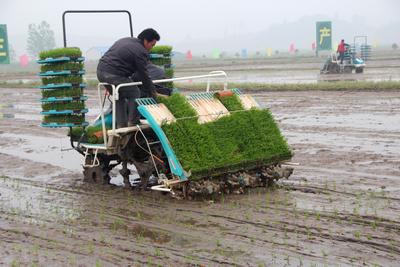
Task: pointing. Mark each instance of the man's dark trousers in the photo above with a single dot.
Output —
(126, 107)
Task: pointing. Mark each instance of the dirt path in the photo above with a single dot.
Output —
(340, 207)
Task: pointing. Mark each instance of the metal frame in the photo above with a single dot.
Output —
(115, 89)
(115, 94)
(360, 37)
(93, 11)
(174, 163)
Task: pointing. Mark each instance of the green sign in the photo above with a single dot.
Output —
(4, 54)
(324, 35)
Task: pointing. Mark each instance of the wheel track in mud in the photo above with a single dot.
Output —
(109, 214)
(322, 190)
(360, 219)
(88, 190)
(115, 247)
(297, 229)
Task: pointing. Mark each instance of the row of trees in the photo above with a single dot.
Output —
(40, 38)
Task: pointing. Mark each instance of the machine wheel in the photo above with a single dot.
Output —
(333, 68)
(359, 70)
(347, 69)
(96, 175)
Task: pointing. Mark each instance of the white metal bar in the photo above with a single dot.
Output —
(148, 147)
(153, 143)
(161, 188)
(220, 72)
(289, 163)
(114, 97)
(103, 124)
(95, 162)
(115, 94)
(212, 74)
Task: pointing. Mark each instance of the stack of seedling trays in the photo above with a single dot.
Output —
(161, 56)
(63, 102)
(365, 51)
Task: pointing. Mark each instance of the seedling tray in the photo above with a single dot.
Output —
(58, 125)
(64, 112)
(51, 60)
(153, 56)
(61, 85)
(61, 73)
(63, 99)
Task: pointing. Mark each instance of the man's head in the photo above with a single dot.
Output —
(342, 40)
(149, 38)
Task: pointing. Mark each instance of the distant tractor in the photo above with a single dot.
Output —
(351, 61)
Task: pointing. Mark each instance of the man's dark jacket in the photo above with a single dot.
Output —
(125, 57)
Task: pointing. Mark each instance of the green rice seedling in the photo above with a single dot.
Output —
(63, 79)
(161, 49)
(169, 72)
(69, 92)
(161, 61)
(15, 263)
(164, 50)
(232, 103)
(242, 140)
(169, 85)
(76, 132)
(73, 52)
(74, 105)
(117, 224)
(64, 118)
(88, 134)
(90, 248)
(357, 235)
(178, 105)
(72, 66)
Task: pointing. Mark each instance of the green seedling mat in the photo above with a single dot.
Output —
(72, 66)
(245, 139)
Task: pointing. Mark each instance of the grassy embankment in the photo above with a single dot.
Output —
(339, 85)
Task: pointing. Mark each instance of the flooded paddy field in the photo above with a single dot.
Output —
(341, 206)
(384, 65)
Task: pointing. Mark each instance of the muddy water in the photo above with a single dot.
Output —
(340, 207)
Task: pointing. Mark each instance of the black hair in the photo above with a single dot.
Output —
(149, 34)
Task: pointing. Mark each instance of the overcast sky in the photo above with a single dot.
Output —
(178, 21)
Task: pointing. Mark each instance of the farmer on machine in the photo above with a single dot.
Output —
(341, 49)
(126, 57)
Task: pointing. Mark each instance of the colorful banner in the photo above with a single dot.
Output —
(216, 54)
(243, 53)
(189, 55)
(4, 53)
(324, 35)
(292, 48)
(269, 52)
(24, 60)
